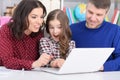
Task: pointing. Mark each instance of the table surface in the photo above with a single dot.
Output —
(6, 74)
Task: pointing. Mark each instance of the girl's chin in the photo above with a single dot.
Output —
(56, 39)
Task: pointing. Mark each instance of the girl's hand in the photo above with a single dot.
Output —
(57, 63)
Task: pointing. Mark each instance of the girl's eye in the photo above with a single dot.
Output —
(50, 27)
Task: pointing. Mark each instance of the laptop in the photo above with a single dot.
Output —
(82, 60)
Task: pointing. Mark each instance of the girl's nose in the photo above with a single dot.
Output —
(55, 31)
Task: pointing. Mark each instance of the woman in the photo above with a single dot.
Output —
(19, 39)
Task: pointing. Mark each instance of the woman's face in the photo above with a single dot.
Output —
(35, 19)
(55, 29)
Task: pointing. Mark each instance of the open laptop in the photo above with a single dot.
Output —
(82, 60)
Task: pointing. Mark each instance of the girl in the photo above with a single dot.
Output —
(59, 43)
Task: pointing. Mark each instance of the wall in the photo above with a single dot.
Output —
(50, 4)
(73, 3)
(5, 3)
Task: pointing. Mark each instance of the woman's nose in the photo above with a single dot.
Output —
(40, 21)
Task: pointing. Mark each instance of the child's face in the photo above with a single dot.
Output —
(55, 29)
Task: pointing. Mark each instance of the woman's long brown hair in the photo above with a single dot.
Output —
(19, 22)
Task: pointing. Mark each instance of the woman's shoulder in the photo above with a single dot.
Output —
(4, 29)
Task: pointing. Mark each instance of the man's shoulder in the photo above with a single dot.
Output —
(113, 28)
(78, 23)
(111, 25)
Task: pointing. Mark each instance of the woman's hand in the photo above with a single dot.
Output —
(42, 61)
(57, 63)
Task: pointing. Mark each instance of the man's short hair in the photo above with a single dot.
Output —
(104, 4)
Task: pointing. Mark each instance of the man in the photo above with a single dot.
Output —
(95, 32)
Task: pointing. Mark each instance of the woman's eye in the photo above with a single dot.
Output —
(42, 17)
(33, 17)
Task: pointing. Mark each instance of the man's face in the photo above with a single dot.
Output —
(94, 16)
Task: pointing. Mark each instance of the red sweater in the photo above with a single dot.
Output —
(18, 54)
